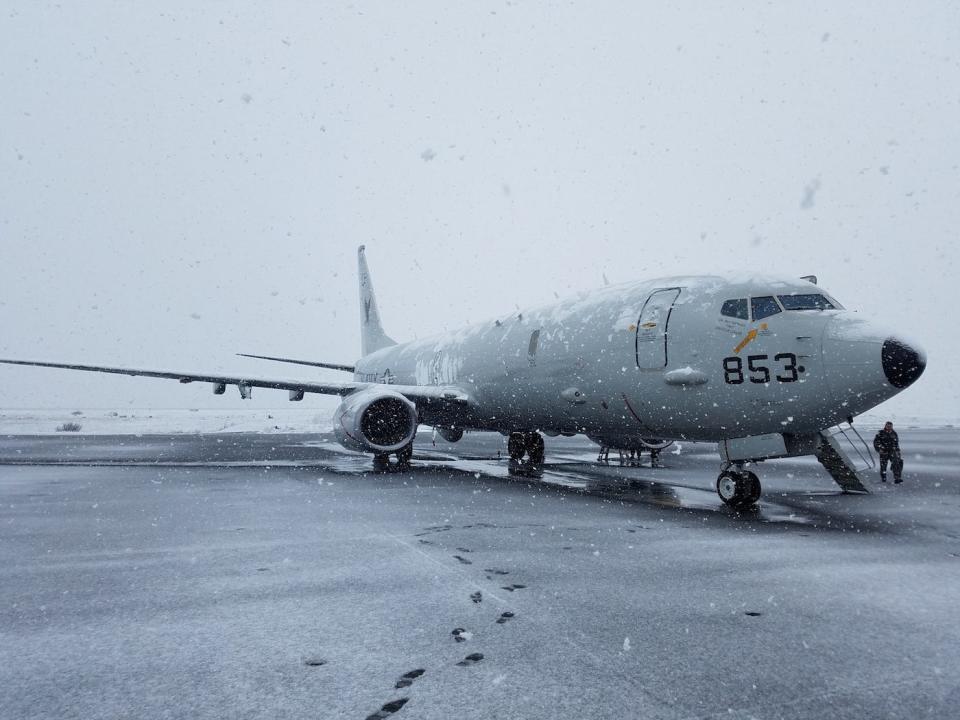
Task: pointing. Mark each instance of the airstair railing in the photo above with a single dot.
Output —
(856, 442)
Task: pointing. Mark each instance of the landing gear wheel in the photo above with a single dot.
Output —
(526, 451)
(755, 489)
(738, 489)
(535, 448)
(404, 455)
(516, 445)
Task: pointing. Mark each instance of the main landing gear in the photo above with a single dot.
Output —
(738, 488)
(381, 462)
(526, 451)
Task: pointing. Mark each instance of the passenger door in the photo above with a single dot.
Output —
(652, 329)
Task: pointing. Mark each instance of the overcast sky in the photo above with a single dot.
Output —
(180, 184)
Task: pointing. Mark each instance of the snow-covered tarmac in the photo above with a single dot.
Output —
(252, 575)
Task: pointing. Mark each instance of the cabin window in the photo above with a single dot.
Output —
(764, 306)
(813, 301)
(735, 309)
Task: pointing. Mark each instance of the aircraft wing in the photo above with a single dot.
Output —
(419, 394)
(328, 366)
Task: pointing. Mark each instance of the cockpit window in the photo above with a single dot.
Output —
(735, 309)
(764, 306)
(806, 302)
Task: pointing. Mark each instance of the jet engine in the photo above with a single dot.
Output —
(375, 421)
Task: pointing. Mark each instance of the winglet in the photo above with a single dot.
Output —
(372, 336)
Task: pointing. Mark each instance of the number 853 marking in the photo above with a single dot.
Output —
(787, 372)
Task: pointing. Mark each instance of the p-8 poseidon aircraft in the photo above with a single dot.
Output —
(762, 366)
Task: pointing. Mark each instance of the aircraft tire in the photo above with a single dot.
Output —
(535, 448)
(516, 445)
(735, 489)
(755, 489)
(404, 455)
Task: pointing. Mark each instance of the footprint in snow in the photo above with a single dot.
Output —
(477, 596)
(504, 617)
(461, 635)
(389, 709)
(464, 549)
(471, 659)
(494, 571)
(511, 588)
(463, 560)
(406, 680)
(433, 529)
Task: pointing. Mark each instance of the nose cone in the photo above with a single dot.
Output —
(902, 364)
(865, 364)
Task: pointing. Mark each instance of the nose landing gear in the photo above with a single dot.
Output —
(526, 451)
(738, 488)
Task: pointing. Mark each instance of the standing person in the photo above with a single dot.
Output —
(887, 443)
(654, 457)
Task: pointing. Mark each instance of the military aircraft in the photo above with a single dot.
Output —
(763, 366)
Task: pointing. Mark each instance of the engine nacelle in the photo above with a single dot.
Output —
(375, 421)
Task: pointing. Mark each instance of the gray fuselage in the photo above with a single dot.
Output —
(654, 359)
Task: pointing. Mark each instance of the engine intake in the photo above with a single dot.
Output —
(375, 421)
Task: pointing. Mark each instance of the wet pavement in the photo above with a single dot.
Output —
(276, 576)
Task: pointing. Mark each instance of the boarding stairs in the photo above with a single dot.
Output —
(846, 456)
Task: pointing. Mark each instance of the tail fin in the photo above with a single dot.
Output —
(372, 336)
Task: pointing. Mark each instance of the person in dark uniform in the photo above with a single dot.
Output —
(654, 457)
(887, 444)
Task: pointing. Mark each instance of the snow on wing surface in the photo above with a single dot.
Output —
(415, 393)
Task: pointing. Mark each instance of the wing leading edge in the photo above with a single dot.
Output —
(420, 394)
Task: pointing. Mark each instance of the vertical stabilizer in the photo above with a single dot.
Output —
(372, 336)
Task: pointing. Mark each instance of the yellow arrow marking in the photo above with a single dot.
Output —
(746, 341)
(751, 336)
